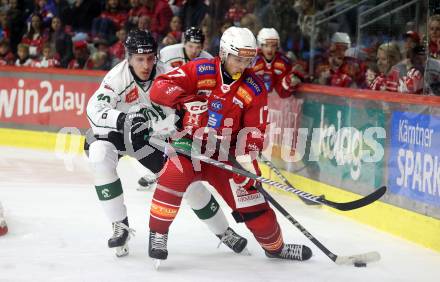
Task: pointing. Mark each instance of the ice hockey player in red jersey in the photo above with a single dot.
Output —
(220, 95)
(3, 226)
(275, 69)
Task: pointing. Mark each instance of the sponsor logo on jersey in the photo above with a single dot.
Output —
(247, 52)
(258, 67)
(225, 88)
(172, 89)
(206, 69)
(216, 105)
(132, 96)
(253, 85)
(244, 95)
(214, 119)
(206, 83)
(280, 66)
(278, 72)
(237, 101)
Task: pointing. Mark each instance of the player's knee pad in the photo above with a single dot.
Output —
(103, 160)
(197, 195)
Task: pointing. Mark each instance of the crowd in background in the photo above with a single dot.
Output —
(89, 34)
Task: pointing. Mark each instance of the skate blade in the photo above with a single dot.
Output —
(122, 251)
(156, 263)
(245, 252)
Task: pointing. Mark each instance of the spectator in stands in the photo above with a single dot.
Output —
(48, 59)
(110, 20)
(236, 12)
(16, 23)
(388, 55)
(193, 13)
(4, 26)
(406, 75)
(81, 56)
(411, 40)
(334, 74)
(60, 41)
(371, 74)
(23, 59)
(354, 65)
(144, 23)
(174, 36)
(34, 37)
(434, 36)
(117, 50)
(100, 61)
(46, 9)
(136, 11)
(160, 12)
(430, 68)
(251, 22)
(6, 55)
(85, 11)
(63, 11)
(212, 36)
(102, 45)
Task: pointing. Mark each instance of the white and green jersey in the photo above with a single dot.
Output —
(173, 56)
(119, 93)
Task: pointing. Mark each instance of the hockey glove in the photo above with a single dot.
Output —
(250, 165)
(137, 126)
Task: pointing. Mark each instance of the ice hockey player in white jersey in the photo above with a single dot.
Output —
(174, 56)
(122, 118)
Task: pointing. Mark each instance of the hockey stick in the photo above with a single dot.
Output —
(272, 166)
(340, 260)
(164, 146)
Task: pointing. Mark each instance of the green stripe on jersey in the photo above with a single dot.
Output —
(209, 210)
(109, 191)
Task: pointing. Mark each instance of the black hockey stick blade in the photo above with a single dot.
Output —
(368, 199)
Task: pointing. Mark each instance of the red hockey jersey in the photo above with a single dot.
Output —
(242, 104)
(273, 72)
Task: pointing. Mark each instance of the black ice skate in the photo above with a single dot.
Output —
(234, 241)
(157, 247)
(146, 182)
(292, 252)
(121, 235)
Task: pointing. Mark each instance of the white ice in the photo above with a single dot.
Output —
(58, 232)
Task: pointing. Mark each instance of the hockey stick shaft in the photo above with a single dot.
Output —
(368, 257)
(284, 179)
(164, 146)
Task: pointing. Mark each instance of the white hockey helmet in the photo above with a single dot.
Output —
(238, 41)
(266, 35)
(341, 38)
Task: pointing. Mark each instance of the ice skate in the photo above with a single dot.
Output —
(292, 252)
(234, 241)
(121, 235)
(157, 247)
(147, 182)
(3, 226)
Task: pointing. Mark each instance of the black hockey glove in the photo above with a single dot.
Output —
(136, 127)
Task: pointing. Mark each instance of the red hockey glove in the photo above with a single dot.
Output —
(249, 165)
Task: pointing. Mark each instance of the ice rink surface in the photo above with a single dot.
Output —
(58, 232)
